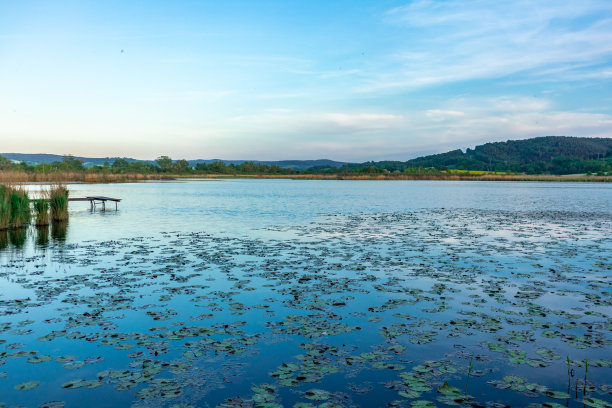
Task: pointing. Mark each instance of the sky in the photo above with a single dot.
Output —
(346, 80)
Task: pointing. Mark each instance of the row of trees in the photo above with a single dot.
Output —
(163, 164)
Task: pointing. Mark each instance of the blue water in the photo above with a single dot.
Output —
(422, 276)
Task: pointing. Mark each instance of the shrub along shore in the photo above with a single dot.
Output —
(18, 211)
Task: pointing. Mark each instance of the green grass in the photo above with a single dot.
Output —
(20, 208)
(14, 207)
(41, 212)
(58, 198)
(5, 208)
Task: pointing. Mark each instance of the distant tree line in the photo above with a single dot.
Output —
(542, 155)
(163, 164)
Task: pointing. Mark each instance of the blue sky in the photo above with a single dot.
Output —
(346, 80)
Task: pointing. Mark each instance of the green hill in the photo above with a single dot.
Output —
(540, 155)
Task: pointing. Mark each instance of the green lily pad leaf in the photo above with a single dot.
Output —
(317, 395)
(557, 394)
(422, 404)
(73, 384)
(74, 365)
(596, 403)
(449, 390)
(39, 359)
(410, 394)
(263, 389)
(25, 386)
(65, 359)
(53, 404)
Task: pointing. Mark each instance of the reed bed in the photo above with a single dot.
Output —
(20, 207)
(14, 207)
(58, 202)
(41, 211)
(5, 207)
(75, 176)
(95, 178)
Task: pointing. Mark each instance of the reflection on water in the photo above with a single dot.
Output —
(17, 237)
(42, 236)
(4, 239)
(59, 229)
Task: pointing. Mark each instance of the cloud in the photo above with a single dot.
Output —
(454, 123)
(460, 40)
(321, 124)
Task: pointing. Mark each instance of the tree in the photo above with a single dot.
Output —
(120, 166)
(69, 162)
(164, 163)
(5, 163)
(181, 166)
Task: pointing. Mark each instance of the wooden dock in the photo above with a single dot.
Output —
(97, 200)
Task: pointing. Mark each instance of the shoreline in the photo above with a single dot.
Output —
(92, 178)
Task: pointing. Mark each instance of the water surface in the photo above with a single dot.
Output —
(329, 293)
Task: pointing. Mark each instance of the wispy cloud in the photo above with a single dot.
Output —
(461, 40)
(457, 122)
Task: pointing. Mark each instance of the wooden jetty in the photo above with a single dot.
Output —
(97, 199)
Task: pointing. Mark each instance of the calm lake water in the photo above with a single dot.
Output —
(269, 293)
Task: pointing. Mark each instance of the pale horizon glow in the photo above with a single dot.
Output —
(276, 80)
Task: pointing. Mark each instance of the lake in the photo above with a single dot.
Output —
(299, 293)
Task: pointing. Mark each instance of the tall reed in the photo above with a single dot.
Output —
(41, 212)
(5, 207)
(58, 198)
(20, 207)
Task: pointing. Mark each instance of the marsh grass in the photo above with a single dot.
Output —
(5, 208)
(58, 199)
(41, 212)
(14, 207)
(20, 207)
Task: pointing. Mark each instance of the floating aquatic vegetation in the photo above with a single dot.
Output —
(26, 386)
(382, 301)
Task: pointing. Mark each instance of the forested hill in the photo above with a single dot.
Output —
(549, 154)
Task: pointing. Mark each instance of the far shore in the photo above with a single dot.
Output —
(98, 178)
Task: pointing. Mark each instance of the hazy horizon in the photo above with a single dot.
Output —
(271, 80)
